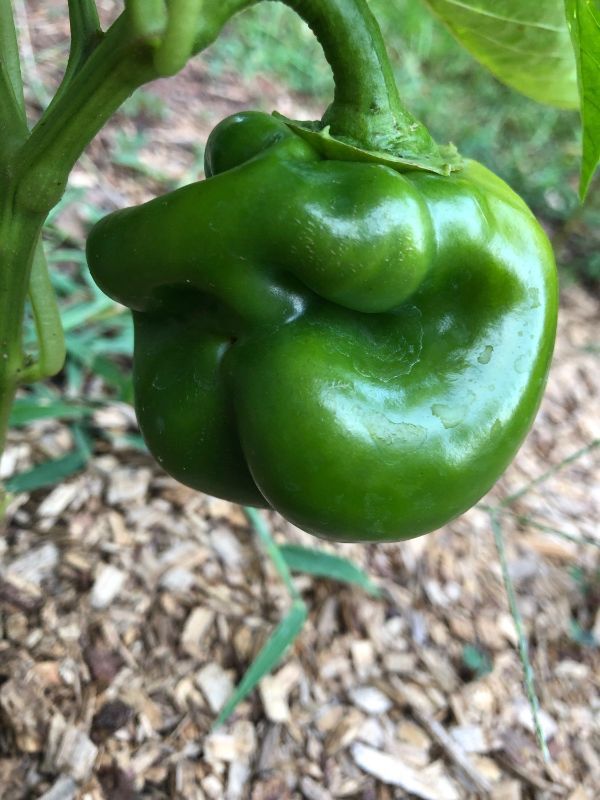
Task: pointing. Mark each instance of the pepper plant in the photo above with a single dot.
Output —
(411, 249)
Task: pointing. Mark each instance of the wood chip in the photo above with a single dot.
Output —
(216, 685)
(178, 579)
(59, 500)
(69, 750)
(275, 690)
(64, 788)
(128, 486)
(109, 582)
(394, 772)
(196, 627)
(36, 565)
(312, 790)
(580, 794)
(363, 657)
(345, 732)
(507, 790)
(370, 700)
(470, 738)
(19, 593)
(25, 712)
(237, 780)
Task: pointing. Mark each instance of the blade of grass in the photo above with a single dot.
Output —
(327, 565)
(268, 658)
(26, 410)
(55, 470)
(286, 631)
(523, 519)
(549, 473)
(273, 551)
(534, 702)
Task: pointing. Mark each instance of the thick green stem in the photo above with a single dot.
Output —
(7, 396)
(366, 110)
(177, 43)
(19, 234)
(106, 79)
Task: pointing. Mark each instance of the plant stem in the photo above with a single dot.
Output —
(18, 237)
(109, 75)
(366, 106)
(48, 326)
(178, 41)
(9, 52)
(13, 122)
(366, 109)
(7, 397)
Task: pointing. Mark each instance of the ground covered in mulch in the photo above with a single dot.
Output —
(130, 605)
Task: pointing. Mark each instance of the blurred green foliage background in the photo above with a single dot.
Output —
(535, 148)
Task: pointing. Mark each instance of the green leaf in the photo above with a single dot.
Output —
(53, 471)
(327, 565)
(268, 658)
(26, 410)
(584, 23)
(524, 43)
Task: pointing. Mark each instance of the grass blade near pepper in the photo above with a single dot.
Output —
(508, 501)
(55, 470)
(286, 558)
(270, 655)
(32, 409)
(326, 565)
(496, 513)
(522, 639)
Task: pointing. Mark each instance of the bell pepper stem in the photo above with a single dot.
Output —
(366, 110)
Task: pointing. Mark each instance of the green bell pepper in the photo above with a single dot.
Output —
(362, 349)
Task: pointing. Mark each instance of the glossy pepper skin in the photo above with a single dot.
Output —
(361, 349)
